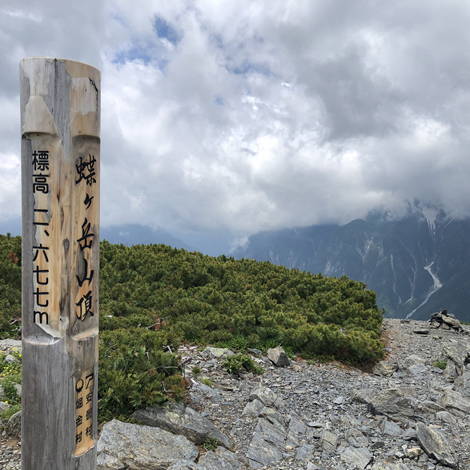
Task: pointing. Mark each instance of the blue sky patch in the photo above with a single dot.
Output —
(130, 55)
(165, 30)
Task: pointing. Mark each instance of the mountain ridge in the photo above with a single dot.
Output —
(413, 263)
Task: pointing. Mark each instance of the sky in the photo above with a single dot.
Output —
(224, 118)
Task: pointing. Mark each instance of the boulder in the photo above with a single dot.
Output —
(362, 395)
(304, 453)
(14, 425)
(455, 402)
(385, 369)
(217, 353)
(186, 465)
(356, 457)
(266, 396)
(253, 409)
(356, 438)
(381, 465)
(9, 359)
(278, 357)
(217, 461)
(436, 445)
(329, 441)
(390, 428)
(178, 419)
(134, 447)
(273, 433)
(392, 403)
(412, 360)
(262, 453)
(458, 353)
(272, 415)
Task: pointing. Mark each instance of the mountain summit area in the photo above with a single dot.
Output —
(417, 265)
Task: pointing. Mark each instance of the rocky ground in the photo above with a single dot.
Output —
(407, 414)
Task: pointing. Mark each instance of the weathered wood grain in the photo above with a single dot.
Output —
(60, 122)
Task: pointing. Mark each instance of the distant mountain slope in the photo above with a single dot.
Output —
(133, 234)
(417, 265)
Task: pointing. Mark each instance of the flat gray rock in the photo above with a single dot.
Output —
(262, 452)
(384, 368)
(356, 457)
(329, 441)
(412, 360)
(393, 404)
(213, 461)
(381, 465)
(217, 353)
(9, 344)
(186, 465)
(304, 453)
(454, 401)
(272, 415)
(178, 419)
(458, 353)
(266, 396)
(362, 395)
(417, 369)
(134, 447)
(436, 445)
(390, 428)
(356, 438)
(275, 433)
(253, 408)
(14, 425)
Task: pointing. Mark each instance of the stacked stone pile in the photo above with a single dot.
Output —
(412, 412)
(445, 320)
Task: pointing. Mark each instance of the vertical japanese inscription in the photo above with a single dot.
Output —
(42, 228)
(85, 239)
(83, 384)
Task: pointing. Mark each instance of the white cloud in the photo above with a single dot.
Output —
(247, 116)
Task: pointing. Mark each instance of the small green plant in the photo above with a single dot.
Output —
(210, 444)
(238, 362)
(5, 415)
(440, 364)
(197, 371)
(206, 381)
(321, 358)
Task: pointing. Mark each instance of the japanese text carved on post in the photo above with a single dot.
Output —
(60, 119)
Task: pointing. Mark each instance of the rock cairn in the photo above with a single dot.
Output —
(445, 320)
(412, 412)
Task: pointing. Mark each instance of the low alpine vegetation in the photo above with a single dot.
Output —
(241, 362)
(153, 298)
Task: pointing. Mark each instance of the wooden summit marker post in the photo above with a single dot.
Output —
(60, 153)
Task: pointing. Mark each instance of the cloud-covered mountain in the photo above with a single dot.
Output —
(141, 235)
(417, 264)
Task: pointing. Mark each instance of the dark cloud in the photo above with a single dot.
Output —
(242, 116)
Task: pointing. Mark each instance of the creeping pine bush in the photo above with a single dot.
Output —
(10, 377)
(134, 373)
(238, 362)
(153, 298)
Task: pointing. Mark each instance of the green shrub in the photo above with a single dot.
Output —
(210, 443)
(5, 415)
(238, 362)
(135, 372)
(440, 364)
(206, 381)
(153, 298)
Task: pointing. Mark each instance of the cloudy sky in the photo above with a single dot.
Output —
(230, 117)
